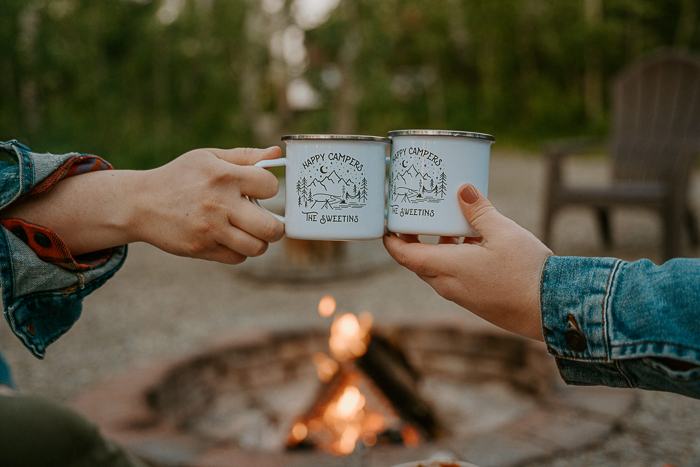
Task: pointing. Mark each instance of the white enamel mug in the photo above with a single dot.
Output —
(335, 186)
(427, 169)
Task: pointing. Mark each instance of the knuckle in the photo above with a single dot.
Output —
(221, 177)
(272, 230)
(198, 246)
(270, 182)
(202, 227)
(210, 204)
(480, 212)
(258, 249)
(236, 258)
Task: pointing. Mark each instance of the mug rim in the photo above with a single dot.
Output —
(433, 462)
(335, 137)
(464, 134)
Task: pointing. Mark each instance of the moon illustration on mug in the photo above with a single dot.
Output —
(419, 180)
(335, 186)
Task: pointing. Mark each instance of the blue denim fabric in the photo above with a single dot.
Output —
(630, 314)
(5, 374)
(36, 293)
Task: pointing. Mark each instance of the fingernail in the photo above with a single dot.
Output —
(469, 194)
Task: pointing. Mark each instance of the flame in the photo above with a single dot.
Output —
(350, 336)
(326, 367)
(345, 419)
(348, 420)
(326, 307)
(299, 431)
(370, 439)
(410, 436)
(350, 403)
(346, 445)
(315, 425)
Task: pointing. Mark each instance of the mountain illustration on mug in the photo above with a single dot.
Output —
(410, 185)
(323, 190)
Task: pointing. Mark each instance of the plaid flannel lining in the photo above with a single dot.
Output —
(44, 242)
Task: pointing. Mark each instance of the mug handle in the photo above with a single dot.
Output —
(282, 162)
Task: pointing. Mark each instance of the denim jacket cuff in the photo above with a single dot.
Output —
(614, 323)
(574, 300)
(43, 287)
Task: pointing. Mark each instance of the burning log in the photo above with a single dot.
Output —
(374, 393)
(389, 369)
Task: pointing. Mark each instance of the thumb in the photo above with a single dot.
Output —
(479, 211)
(247, 156)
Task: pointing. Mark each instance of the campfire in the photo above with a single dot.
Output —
(369, 392)
(283, 398)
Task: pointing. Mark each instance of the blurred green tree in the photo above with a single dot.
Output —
(141, 81)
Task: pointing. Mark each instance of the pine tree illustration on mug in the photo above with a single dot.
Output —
(328, 190)
(413, 186)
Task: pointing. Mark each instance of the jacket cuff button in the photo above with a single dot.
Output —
(575, 340)
(30, 329)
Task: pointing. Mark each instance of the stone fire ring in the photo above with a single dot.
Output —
(562, 419)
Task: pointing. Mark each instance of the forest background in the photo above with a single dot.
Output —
(141, 81)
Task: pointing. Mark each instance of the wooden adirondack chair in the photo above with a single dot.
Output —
(655, 138)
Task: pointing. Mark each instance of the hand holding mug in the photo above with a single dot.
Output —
(496, 279)
(194, 206)
(427, 169)
(197, 205)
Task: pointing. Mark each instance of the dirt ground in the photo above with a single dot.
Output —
(159, 306)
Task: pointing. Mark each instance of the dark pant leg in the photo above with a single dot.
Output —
(35, 432)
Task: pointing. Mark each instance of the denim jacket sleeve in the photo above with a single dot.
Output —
(610, 322)
(41, 300)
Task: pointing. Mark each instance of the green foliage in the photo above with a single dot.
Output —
(509, 67)
(120, 79)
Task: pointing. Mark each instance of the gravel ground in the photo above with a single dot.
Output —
(160, 306)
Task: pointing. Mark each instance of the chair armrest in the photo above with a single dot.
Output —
(555, 152)
(573, 146)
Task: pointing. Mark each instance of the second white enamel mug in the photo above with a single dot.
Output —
(427, 169)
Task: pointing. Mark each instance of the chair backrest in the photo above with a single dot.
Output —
(656, 116)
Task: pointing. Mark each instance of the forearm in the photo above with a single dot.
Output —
(56, 207)
(624, 324)
(90, 212)
(195, 206)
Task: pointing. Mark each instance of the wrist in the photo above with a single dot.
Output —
(105, 216)
(133, 214)
(531, 325)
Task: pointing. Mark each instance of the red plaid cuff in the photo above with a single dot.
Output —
(51, 249)
(44, 242)
(77, 165)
